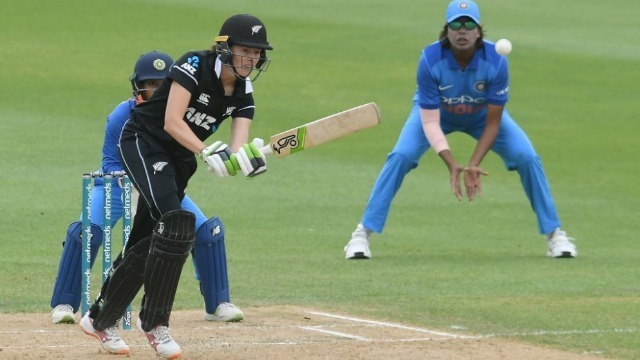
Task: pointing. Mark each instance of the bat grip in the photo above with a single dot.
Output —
(266, 150)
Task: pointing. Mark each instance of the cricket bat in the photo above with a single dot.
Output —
(323, 130)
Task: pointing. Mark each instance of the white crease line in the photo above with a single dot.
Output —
(398, 326)
(336, 333)
(534, 333)
(38, 331)
(563, 332)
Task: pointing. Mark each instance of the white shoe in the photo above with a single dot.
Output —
(225, 312)
(109, 338)
(161, 341)
(358, 246)
(561, 246)
(63, 314)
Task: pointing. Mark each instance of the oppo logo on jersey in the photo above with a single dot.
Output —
(200, 119)
(464, 104)
(464, 99)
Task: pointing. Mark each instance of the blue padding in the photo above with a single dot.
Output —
(210, 258)
(67, 287)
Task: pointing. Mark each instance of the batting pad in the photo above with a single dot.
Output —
(171, 243)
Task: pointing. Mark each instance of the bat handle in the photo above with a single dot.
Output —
(266, 150)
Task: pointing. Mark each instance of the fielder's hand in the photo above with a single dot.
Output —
(455, 171)
(220, 159)
(472, 183)
(251, 159)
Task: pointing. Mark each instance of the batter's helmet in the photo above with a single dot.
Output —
(247, 30)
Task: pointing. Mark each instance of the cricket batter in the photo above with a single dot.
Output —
(149, 71)
(157, 147)
(463, 85)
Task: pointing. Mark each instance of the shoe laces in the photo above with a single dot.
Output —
(226, 305)
(161, 334)
(65, 307)
(559, 236)
(112, 333)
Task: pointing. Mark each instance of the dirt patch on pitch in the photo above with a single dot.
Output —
(280, 333)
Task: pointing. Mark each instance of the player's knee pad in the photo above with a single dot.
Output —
(66, 289)
(174, 234)
(210, 259)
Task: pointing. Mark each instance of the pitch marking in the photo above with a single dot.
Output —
(336, 333)
(454, 336)
(397, 326)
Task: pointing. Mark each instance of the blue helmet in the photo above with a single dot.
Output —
(150, 66)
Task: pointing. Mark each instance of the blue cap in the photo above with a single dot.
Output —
(459, 8)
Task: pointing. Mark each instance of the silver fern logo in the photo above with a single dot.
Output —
(157, 167)
(255, 29)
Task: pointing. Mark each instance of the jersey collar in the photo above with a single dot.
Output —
(453, 64)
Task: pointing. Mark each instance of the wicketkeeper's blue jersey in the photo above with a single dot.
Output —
(115, 123)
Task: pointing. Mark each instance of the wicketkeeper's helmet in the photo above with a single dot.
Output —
(153, 65)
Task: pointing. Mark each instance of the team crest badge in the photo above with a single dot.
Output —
(159, 64)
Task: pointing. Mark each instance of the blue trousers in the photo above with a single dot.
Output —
(512, 145)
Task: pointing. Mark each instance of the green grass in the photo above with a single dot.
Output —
(439, 263)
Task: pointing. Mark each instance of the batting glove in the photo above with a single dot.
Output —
(220, 159)
(251, 160)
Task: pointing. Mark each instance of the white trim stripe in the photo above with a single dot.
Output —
(186, 73)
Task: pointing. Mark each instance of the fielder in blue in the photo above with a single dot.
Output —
(463, 85)
(210, 263)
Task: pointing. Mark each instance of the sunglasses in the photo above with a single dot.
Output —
(457, 25)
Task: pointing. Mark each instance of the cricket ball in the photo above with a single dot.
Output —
(503, 47)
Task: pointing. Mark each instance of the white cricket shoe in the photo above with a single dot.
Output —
(225, 312)
(63, 314)
(161, 341)
(561, 246)
(358, 246)
(109, 338)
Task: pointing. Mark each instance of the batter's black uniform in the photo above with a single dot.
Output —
(157, 164)
(160, 169)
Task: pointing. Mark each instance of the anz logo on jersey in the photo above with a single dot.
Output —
(463, 105)
(201, 119)
(191, 65)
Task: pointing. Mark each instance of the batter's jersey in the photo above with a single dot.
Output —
(198, 72)
(462, 95)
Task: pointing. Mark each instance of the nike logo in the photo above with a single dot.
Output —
(442, 88)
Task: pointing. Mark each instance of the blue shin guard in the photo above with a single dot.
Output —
(67, 287)
(210, 258)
